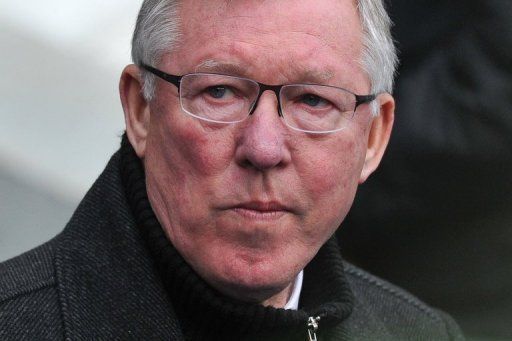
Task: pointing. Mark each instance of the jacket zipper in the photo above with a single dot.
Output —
(313, 327)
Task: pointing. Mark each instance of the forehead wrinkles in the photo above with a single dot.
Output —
(326, 20)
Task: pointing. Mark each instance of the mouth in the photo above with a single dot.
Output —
(261, 210)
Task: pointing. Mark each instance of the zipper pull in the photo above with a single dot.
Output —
(313, 327)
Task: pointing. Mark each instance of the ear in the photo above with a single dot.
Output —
(378, 137)
(136, 108)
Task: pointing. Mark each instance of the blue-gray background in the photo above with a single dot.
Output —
(60, 115)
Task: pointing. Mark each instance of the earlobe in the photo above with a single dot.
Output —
(378, 137)
(136, 109)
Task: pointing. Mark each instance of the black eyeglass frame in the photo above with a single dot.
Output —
(176, 81)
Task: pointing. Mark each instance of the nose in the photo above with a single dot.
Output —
(262, 143)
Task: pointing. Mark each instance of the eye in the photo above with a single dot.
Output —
(219, 91)
(313, 100)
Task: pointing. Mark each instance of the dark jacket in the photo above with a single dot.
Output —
(96, 280)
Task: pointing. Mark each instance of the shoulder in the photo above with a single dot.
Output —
(29, 305)
(400, 312)
(27, 272)
(367, 288)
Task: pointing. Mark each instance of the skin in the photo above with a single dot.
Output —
(249, 205)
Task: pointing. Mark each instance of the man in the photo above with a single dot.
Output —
(249, 125)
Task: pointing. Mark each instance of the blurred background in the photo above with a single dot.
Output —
(60, 115)
(435, 219)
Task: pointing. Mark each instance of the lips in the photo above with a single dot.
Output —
(263, 206)
(261, 210)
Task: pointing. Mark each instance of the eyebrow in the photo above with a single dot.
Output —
(315, 75)
(230, 68)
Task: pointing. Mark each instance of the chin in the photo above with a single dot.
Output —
(252, 276)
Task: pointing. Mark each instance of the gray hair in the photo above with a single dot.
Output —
(158, 31)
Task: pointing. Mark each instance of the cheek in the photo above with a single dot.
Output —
(189, 150)
(335, 167)
(333, 174)
(185, 163)
(183, 145)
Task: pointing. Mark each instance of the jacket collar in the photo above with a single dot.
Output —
(107, 284)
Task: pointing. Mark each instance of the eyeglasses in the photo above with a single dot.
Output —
(218, 98)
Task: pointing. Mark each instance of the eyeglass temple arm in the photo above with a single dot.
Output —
(165, 76)
(364, 99)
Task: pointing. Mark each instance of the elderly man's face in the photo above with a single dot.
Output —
(248, 205)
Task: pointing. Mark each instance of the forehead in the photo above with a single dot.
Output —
(274, 38)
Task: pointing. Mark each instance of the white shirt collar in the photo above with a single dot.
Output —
(293, 302)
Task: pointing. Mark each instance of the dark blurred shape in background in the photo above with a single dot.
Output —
(436, 218)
